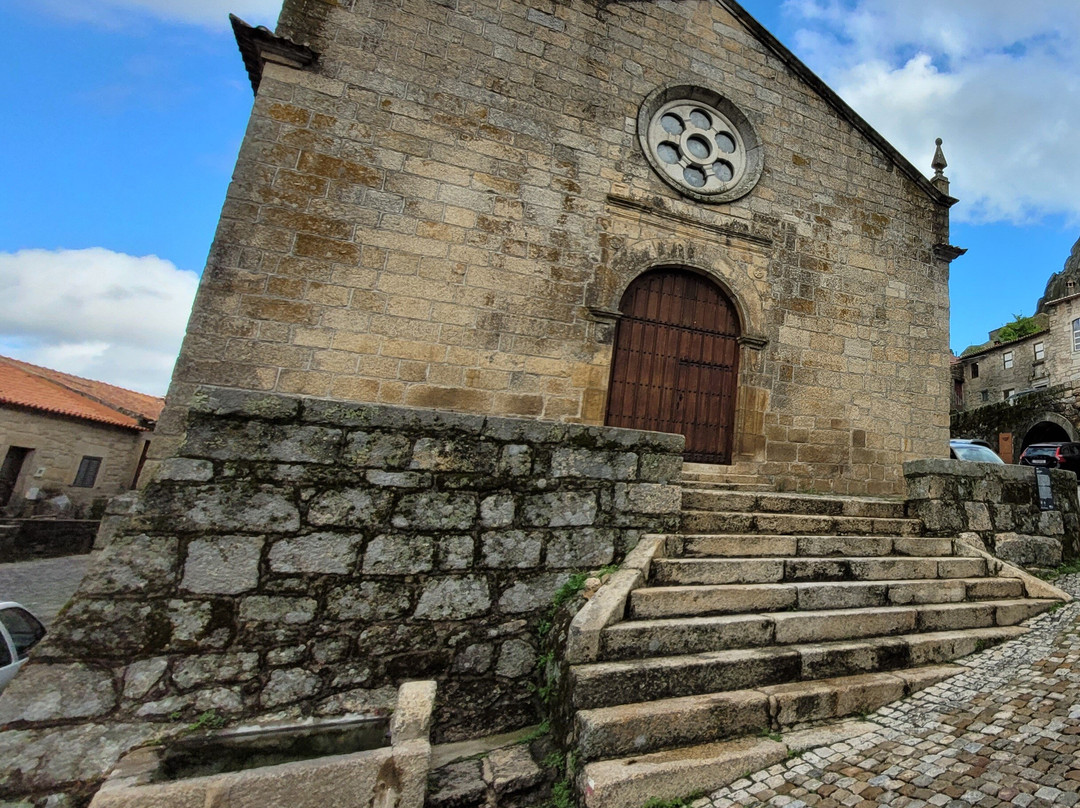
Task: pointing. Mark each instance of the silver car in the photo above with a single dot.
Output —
(19, 632)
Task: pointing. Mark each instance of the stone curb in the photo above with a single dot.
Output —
(412, 715)
(608, 605)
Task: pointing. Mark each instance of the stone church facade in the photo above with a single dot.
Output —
(451, 207)
(477, 258)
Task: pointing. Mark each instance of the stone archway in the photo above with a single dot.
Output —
(675, 365)
(1048, 428)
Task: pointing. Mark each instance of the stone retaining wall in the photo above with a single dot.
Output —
(1000, 505)
(304, 556)
(27, 539)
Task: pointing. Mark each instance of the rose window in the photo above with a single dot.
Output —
(698, 148)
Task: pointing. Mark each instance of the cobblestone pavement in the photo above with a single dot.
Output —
(42, 586)
(1004, 733)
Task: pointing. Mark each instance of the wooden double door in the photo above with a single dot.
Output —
(675, 366)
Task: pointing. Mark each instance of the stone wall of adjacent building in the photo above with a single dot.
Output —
(303, 557)
(445, 209)
(28, 539)
(999, 506)
(1063, 356)
(995, 381)
(58, 444)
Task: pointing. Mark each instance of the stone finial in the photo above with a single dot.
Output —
(939, 164)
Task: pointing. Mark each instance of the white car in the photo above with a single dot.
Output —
(19, 632)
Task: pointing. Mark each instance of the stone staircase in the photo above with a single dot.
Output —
(769, 611)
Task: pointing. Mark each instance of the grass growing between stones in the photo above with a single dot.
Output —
(1068, 568)
(562, 792)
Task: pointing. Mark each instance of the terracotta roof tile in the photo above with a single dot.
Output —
(26, 385)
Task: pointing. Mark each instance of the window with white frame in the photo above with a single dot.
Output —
(1007, 359)
(1076, 334)
(1040, 351)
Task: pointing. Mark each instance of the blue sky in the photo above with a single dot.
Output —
(124, 118)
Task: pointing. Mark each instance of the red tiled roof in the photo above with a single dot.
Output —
(26, 385)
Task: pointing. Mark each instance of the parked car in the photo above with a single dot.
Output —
(1053, 455)
(978, 451)
(19, 632)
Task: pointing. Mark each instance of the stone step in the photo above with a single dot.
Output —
(644, 727)
(707, 485)
(633, 782)
(605, 684)
(776, 503)
(759, 546)
(784, 524)
(675, 601)
(706, 571)
(637, 639)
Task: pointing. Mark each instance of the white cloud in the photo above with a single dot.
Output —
(95, 313)
(209, 13)
(998, 86)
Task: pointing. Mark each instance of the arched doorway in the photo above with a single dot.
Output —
(1045, 432)
(676, 362)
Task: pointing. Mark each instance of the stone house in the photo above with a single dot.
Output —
(997, 371)
(66, 437)
(1044, 364)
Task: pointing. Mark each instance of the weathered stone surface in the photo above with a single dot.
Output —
(453, 599)
(371, 600)
(588, 547)
(326, 553)
(532, 594)
(354, 507)
(224, 565)
(597, 465)
(435, 511)
(513, 769)
(457, 785)
(512, 549)
(291, 611)
(561, 509)
(141, 676)
(474, 659)
(377, 450)
(184, 469)
(134, 564)
(212, 668)
(231, 508)
(449, 454)
(58, 692)
(40, 759)
(456, 552)
(287, 686)
(1028, 551)
(516, 659)
(259, 440)
(497, 510)
(399, 555)
(648, 498)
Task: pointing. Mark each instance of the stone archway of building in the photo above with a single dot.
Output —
(675, 366)
(1048, 431)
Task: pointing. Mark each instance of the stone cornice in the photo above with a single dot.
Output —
(261, 45)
